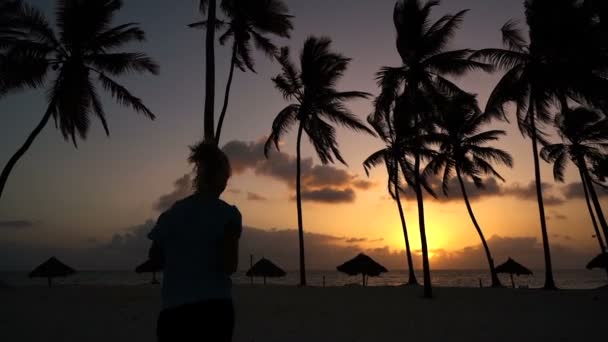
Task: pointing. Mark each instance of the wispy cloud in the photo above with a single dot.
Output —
(16, 224)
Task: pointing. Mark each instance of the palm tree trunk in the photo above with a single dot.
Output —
(593, 220)
(428, 289)
(208, 124)
(220, 123)
(549, 282)
(495, 280)
(410, 264)
(21, 151)
(595, 227)
(594, 198)
(299, 205)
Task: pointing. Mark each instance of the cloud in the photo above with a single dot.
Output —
(491, 188)
(129, 248)
(526, 250)
(16, 224)
(557, 216)
(328, 195)
(182, 189)
(355, 240)
(528, 192)
(251, 196)
(575, 190)
(320, 183)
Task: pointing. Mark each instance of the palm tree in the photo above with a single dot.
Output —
(10, 14)
(560, 64)
(312, 87)
(463, 151)
(209, 7)
(412, 89)
(391, 155)
(523, 83)
(250, 20)
(84, 48)
(600, 170)
(584, 134)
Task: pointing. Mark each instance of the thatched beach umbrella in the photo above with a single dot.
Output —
(265, 268)
(600, 261)
(512, 267)
(50, 269)
(364, 265)
(150, 266)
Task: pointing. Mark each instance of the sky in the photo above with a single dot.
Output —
(99, 199)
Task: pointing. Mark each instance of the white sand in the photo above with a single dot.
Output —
(118, 314)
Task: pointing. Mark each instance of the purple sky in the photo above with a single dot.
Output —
(85, 196)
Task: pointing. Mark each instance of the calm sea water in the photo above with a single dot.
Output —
(566, 279)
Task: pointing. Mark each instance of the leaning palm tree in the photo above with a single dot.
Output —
(392, 156)
(584, 134)
(250, 21)
(464, 152)
(412, 88)
(83, 50)
(312, 87)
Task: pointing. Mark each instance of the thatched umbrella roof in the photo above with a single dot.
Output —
(600, 261)
(150, 266)
(265, 268)
(513, 267)
(364, 265)
(50, 269)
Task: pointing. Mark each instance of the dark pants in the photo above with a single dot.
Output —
(211, 320)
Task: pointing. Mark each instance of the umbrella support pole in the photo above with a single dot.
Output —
(512, 281)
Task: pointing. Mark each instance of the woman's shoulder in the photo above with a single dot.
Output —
(229, 207)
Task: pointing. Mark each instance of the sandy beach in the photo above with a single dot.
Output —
(94, 313)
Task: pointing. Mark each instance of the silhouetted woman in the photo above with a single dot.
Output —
(197, 239)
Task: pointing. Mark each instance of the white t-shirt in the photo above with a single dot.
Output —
(191, 235)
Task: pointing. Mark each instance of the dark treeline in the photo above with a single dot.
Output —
(553, 68)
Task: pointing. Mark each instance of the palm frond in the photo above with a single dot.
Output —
(373, 160)
(121, 63)
(123, 96)
(281, 125)
(513, 37)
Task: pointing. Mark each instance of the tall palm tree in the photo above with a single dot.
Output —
(523, 83)
(250, 20)
(392, 156)
(463, 151)
(209, 7)
(560, 64)
(83, 49)
(312, 87)
(584, 135)
(412, 88)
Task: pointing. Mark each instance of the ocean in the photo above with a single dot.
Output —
(565, 279)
